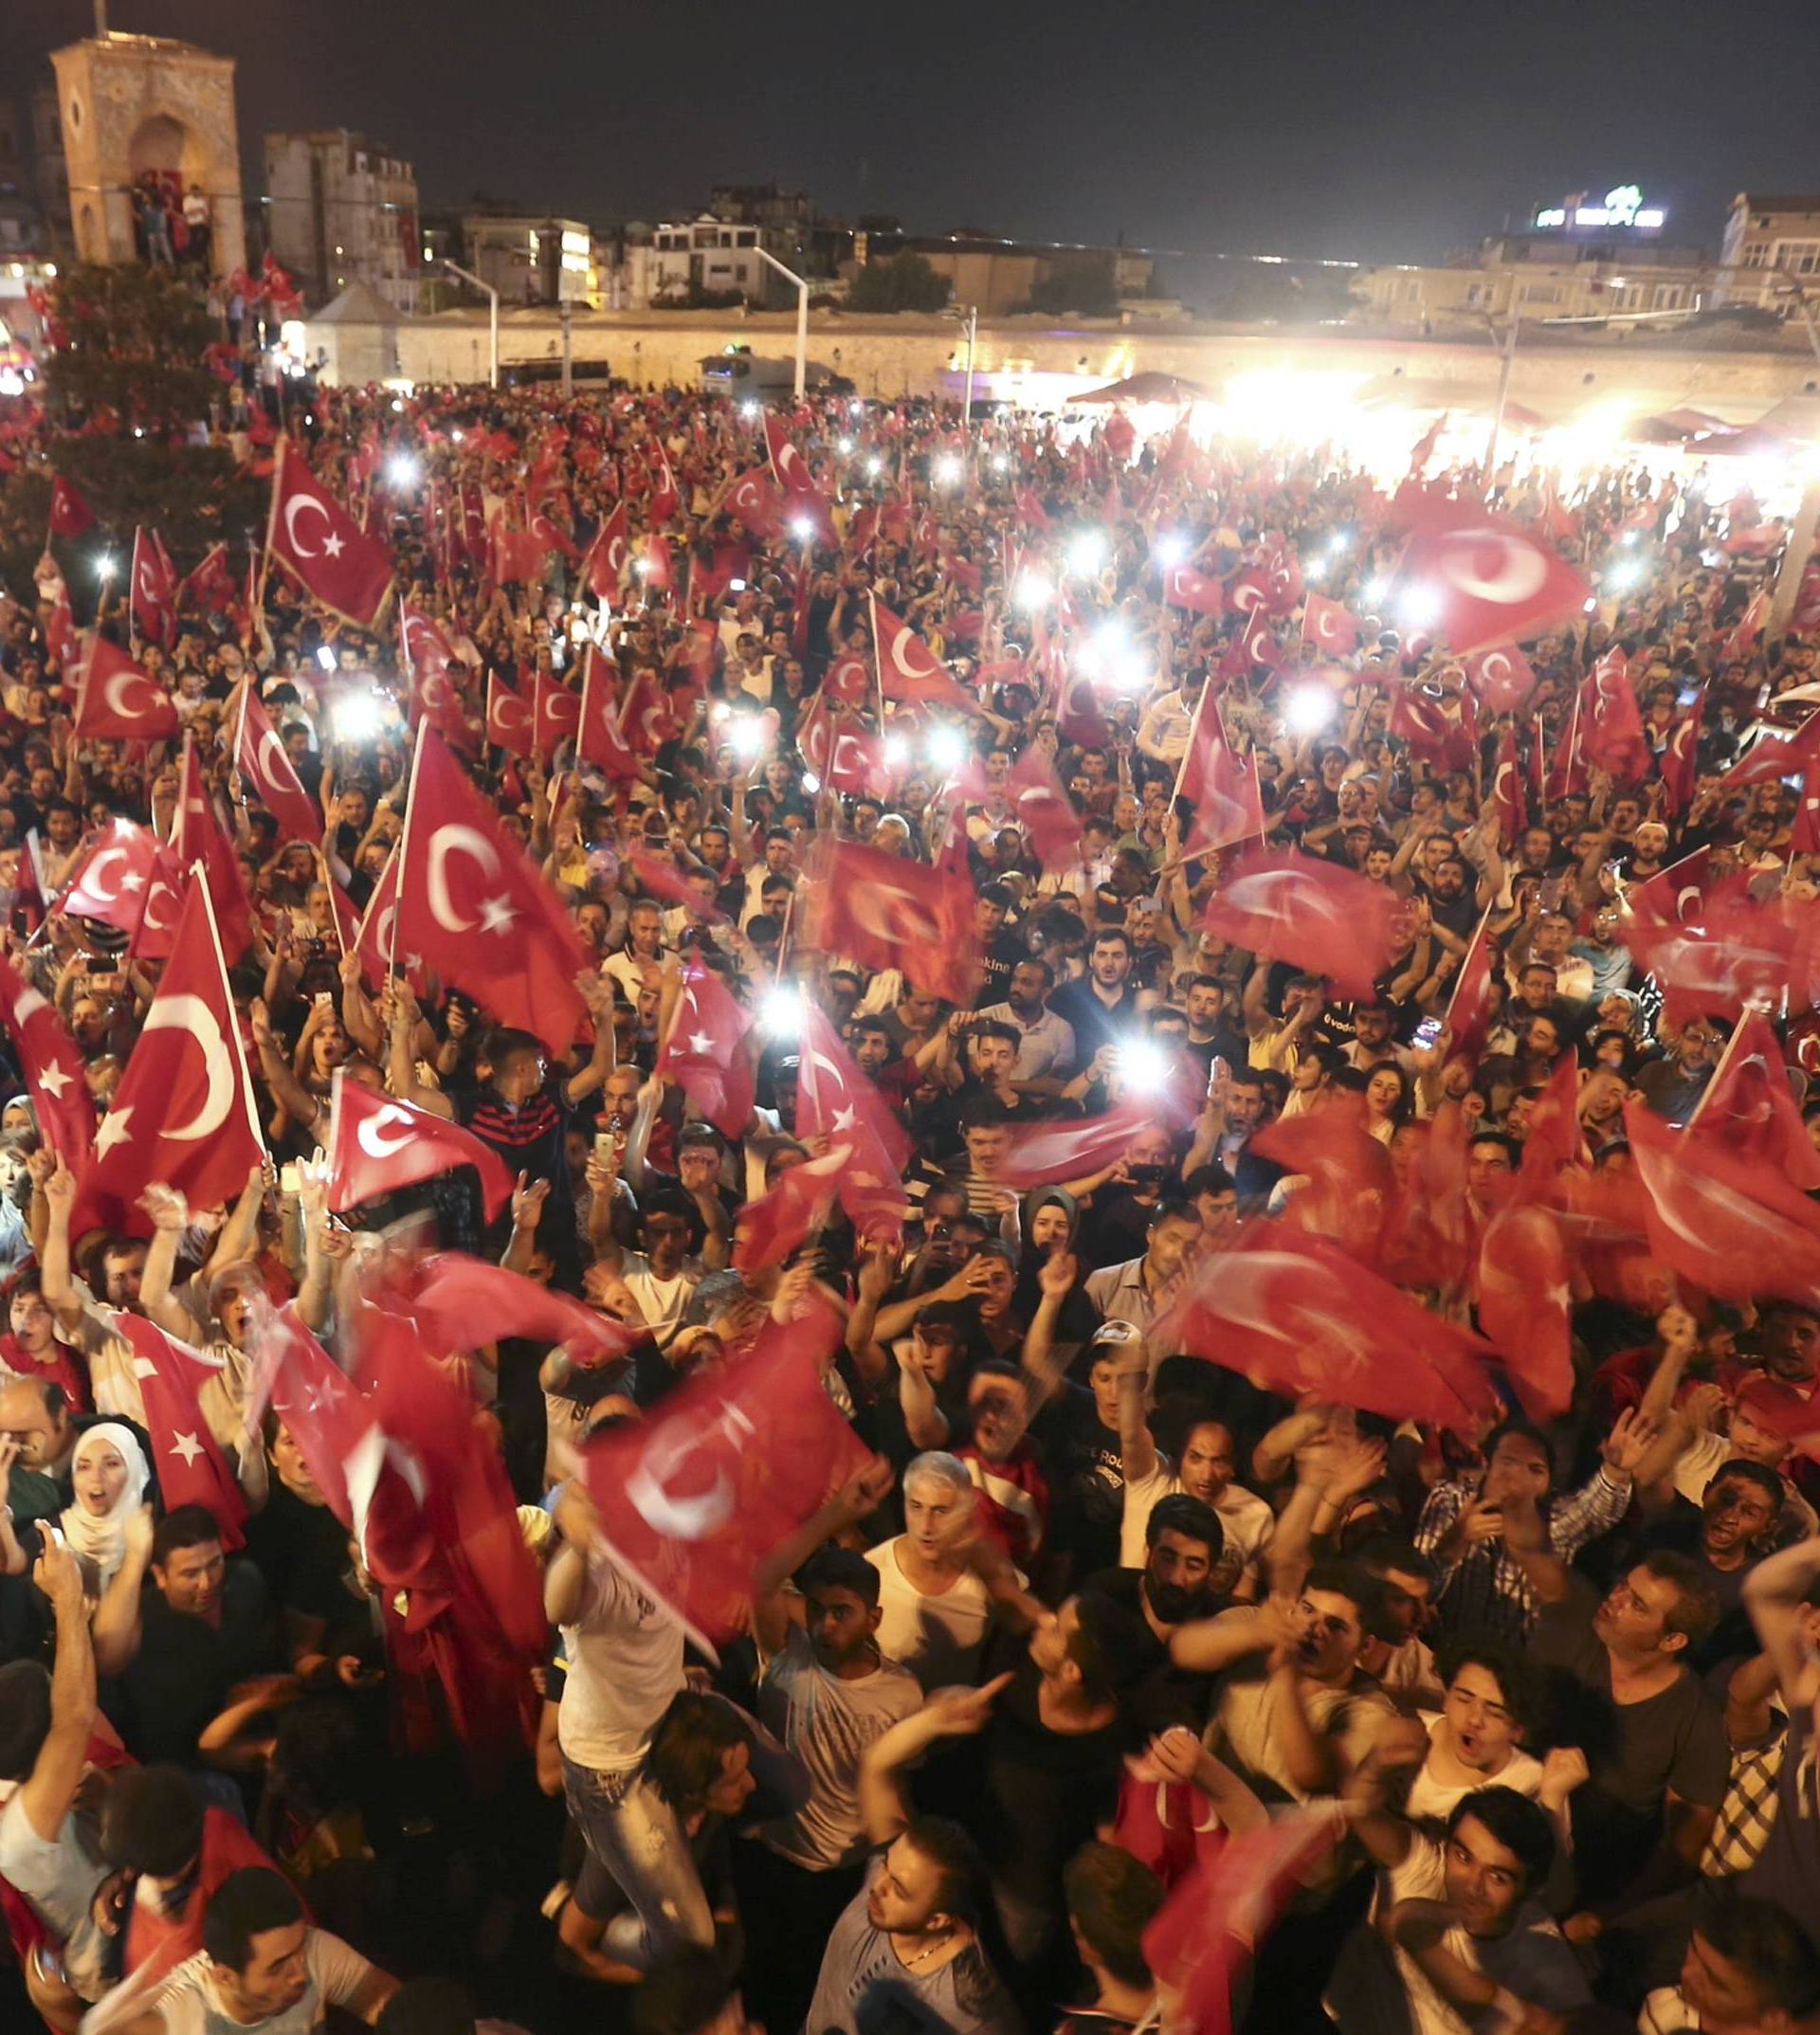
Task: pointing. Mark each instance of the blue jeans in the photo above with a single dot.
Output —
(637, 1856)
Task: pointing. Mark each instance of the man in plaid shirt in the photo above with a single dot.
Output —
(1480, 1586)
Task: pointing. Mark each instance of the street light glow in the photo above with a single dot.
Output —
(1086, 551)
(1033, 590)
(1171, 549)
(402, 470)
(105, 566)
(1309, 709)
(946, 748)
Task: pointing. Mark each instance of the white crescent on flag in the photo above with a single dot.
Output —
(1516, 571)
(292, 508)
(456, 840)
(190, 1014)
(372, 1136)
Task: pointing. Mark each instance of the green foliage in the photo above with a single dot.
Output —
(134, 339)
(906, 283)
(134, 359)
(1083, 289)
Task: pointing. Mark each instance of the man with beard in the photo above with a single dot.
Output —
(1178, 1583)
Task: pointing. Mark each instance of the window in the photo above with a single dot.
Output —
(1670, 296)
(1539, 293)
(1475, 292)
(1798, 256)
(1756, 255)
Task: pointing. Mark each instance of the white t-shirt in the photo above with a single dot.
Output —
(938, 1639)
(625, 1655)
(60, 1880)
(828, 1723)
(1245, 1519)
(191, 2005)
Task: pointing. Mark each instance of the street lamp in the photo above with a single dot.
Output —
(789, 275)
(969, 318)
(492, 319)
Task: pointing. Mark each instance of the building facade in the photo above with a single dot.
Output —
(530, 260)
(1776, 237)
(707, 257)
(340, 209)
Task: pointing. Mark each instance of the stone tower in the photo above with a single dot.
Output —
(127, 105)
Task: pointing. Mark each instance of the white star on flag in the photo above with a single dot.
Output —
(497, 915)
(112, 1130)
(54, 1081)
(133, 881)
(700, 1042)
(188, 1448)
(332, 545)
(843, 1119)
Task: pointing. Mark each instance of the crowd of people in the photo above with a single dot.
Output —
(1170, 1648)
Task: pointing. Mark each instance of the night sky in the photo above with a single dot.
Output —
(1387, 133)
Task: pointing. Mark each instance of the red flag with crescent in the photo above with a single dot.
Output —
(268, 773)
(117, 700)
(378, 1144)
(886, 912)
(1485, 579)
(316, 541)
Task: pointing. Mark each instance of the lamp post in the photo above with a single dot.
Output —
(492, 317)
(789, 275)
(969, 318)
(1509, 349)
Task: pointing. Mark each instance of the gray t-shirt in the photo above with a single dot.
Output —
(191, 2006)
(828, 1723)
(60, 1880)
(866, 1988)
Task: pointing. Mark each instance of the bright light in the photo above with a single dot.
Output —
(874, 468)
(1143, 1067)
(105, 566)
(11, 382)
(402, 470)
(1001, 463)
(1086, 551)
(138, 430)
(1033, 590)
(1309, 709)
(946, 748)
(398, 405)
(1621, 577)
(749, 410)
(1315, 568)
(1417, 608)
(1340, 545)
(748, 739)
(803, 529)
(1171, 549)
(897, 752)
(1630, 536)
(455, 436)
(843, 445)
(734, 586)
(811, 784)
(946, 471)
(857, 406)
(641, 567)
(719, 710)
(359, 718)
(1376, 591)
(325, 657)
(780, 1012)
(1590, 607)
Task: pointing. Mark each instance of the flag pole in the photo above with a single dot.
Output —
(1724, 1060)
(199, 877)
(401, 850)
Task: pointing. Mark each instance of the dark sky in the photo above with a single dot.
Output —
(1382, 133)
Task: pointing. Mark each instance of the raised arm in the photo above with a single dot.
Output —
(953, 1714)
(49, 1789)
(1775, 1594)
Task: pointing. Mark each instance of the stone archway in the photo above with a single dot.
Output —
(164, 145)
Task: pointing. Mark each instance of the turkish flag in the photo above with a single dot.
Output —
(184, 1112)
(884, 911)
(71, 513)
(1345, 1174)
(153, 590)
(52, 1068)
(1507, 799)
(1554, 1140)
(1183, 587)
(269, 775)
(845, 755)
(1251, 592)
(462, 1303)
(644, 716)
(835, 1101)
(377, 936)
(186, 1459)
(118, 701)
(197, 836)
(653, 566)
(1043, 809)
(1526, 1303)
(599, 739)
(1726, 1225)
(1326, 919)
(659, 876)
(1730, 951)
(314, 538)
(803, 502)
(1773, 756)
(1070, 1148)
(1681, 759)
(1487, 580)
(478, 912)
(508, 718)
(322, 1411)
(1330, 627)
(1297, 1316)
(211, 587)
(778, 1223)
(110, 881)
(704, 1054)
(1749, 1110)
(908, 669)
(756, 501)
(557, 717)
(1257, 643)
(1210, 1928)
(551, 535)
(1502, 677)
(1029, 510)
(1225, 794)
(1611, 727)
(664, 499)
(155, 932)
(605, 564)
(378, 1145)
(691, 1497)
(428, 657)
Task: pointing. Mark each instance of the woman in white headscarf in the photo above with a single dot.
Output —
(108, 1473)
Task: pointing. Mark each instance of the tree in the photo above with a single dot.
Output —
(906, 283)
(127, 384)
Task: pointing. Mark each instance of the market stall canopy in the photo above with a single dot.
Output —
(1149, 387)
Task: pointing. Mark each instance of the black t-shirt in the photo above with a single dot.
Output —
(179, 1680)
(997, 961)
(1047, 1791)
(1085, 1468)
(302, 1552)
(1154, 1693)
